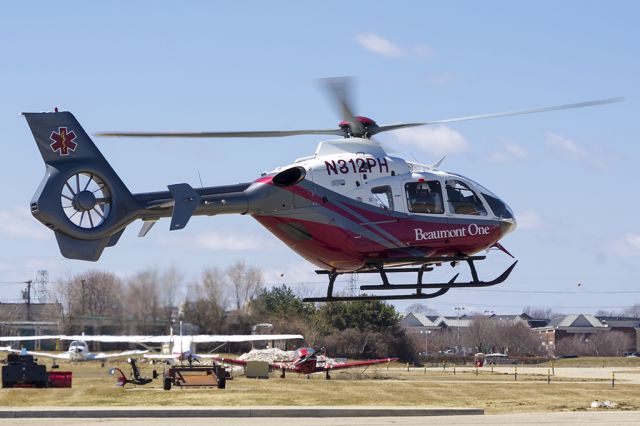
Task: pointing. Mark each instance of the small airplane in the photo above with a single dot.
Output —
(306, 362)
(78, 349)
(349, 207)
(183, 347)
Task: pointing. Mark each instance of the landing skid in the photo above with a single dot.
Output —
(427, 265)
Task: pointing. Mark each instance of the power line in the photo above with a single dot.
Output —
(552, 291)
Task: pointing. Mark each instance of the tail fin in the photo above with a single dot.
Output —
(81, 198)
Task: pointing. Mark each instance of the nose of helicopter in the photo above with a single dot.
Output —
(508, 225)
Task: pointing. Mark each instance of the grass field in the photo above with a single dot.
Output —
(496, 392)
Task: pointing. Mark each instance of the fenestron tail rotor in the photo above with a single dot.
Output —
(86, 200)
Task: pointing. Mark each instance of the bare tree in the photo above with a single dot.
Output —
(246, 283)
(208, 301)
(611, 343)
(515, 338)
(421, 308)
(481, 334)
(539, 313)
(143, 304)
(632, 311)
(171, 287)
(93, 293)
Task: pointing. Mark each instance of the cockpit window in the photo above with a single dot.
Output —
(462, 200)
(383, 197)
(499, 208)
(424, 197)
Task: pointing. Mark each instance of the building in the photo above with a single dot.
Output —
(585, 327)
(31, 319)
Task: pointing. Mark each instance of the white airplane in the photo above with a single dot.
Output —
(182, 347)
(78, 349)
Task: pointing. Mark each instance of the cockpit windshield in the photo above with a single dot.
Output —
(499, 208)
(463, 200)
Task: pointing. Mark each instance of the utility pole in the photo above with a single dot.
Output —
(29, 300)
(459, 309)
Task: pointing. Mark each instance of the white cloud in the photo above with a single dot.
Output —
(435, 140)
(574, 151)
(385, 47)
(517, 151)
(629, 245)
(529, 219)
(18, 222)
(511, 152)
(566, 145)
(633, 240)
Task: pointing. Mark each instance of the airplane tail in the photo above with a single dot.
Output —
(81, 198)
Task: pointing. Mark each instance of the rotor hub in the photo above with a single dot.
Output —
(366, 125)
(84, 201)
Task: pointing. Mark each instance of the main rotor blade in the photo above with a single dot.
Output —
(340, 89)
(526, 111)
(250, 134)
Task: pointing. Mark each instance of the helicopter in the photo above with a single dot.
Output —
(349, 207)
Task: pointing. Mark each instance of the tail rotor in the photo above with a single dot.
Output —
(86, 200)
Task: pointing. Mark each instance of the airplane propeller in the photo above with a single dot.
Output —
(339, 89)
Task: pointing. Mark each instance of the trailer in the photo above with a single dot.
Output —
(209, 376)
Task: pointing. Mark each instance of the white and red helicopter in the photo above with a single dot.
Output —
(349, 207)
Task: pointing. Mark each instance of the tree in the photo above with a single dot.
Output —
(481, 334)
(515, 338)
(363, 329)
(610, 343)
(362, 315)
(170, 288)
(206, 307)
(632, 311)
(93, 293)
(246, 282)
(421, 308)
(539, 313)
(142, 301)
(281, 303)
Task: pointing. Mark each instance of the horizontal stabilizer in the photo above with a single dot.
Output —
(186, 202)
(146, 227)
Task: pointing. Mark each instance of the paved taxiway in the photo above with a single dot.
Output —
(583, 418)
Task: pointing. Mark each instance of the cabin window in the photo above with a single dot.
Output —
(462, 200)
(424, 197)
(383, 197)
(499, 208)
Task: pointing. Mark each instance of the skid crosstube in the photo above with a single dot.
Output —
(427, 265)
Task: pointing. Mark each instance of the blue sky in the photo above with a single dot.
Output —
(570, 176)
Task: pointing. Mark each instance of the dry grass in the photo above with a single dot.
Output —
(496, 393)
(602, 362)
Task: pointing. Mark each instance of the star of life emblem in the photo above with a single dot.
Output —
(63, 141)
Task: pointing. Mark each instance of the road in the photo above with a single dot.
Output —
(583, 418)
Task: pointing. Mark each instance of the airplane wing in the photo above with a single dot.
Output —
(63, 355)
(114, 355)
(200, 338)
(23, 338)
(122, 339)
(161, 356)
(204, 338)
(230, 361)
(340, 366)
